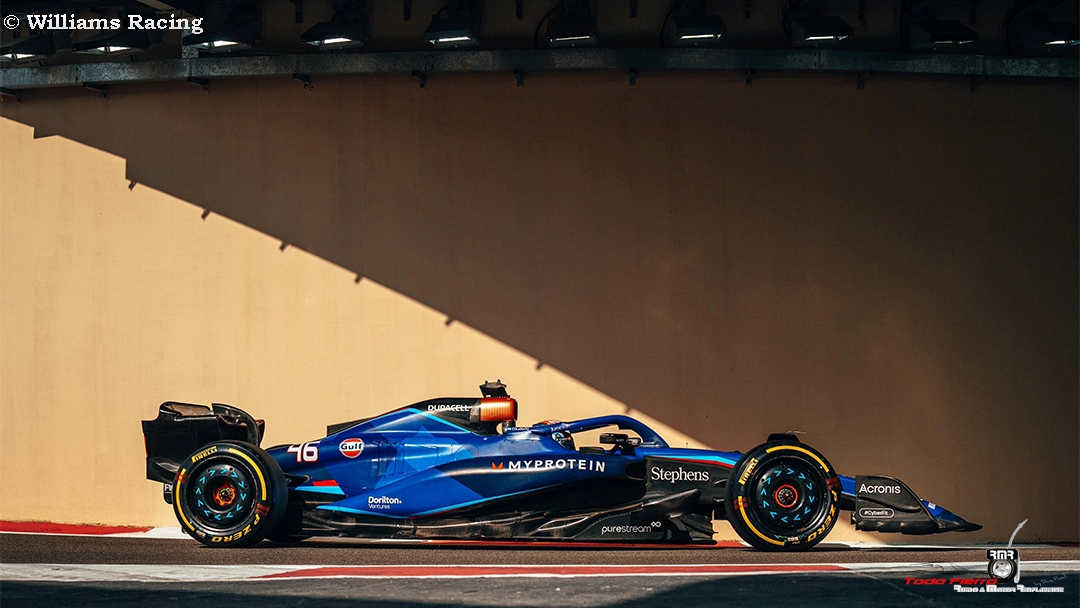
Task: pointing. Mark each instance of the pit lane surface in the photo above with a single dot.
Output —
(42, 548)
(878, 588)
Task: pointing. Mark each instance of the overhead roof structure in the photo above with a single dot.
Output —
(638, 60)
(629, 35)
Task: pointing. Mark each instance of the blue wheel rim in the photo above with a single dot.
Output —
(788, 494)
(221, 495)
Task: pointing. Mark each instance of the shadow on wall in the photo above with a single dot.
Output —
(893, 270)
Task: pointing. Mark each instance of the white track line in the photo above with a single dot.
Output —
(169, 533)
(83, 573)
(115, 573)
(175, 533)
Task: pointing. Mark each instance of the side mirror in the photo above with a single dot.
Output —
(620, 440)
(613, 438)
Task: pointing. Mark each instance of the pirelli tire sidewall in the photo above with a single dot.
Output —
(818, 490)
(241, 466)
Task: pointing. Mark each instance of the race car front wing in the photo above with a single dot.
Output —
(886, 504)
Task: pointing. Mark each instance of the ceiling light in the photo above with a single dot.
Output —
(936, 35)
(811, 30)
(807, 27)
(695, 30)
(455, 25)
(452, 33)
(116, 42)
(31, 48)
(572, 23)
(348, 28)
(240, 31)
(1040, 29)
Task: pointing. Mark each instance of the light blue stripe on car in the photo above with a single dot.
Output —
(322, 489)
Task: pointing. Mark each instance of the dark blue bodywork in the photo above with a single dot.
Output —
(460, 468)
(414, 463)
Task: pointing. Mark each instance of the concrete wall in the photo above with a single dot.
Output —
(892, 270)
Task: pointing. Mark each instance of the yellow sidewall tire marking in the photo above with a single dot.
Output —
(770, 450)
(258, 470)
(803, 450)
(178, 508)
(755, 530)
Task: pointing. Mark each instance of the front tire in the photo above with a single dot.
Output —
(782, 496)
(229, 494)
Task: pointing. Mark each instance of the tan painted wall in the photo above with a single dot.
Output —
(892, 270)
(112, 307)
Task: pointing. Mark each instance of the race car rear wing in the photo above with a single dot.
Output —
(182, 428)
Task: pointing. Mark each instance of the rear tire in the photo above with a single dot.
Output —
(782, 496)
(230, 494)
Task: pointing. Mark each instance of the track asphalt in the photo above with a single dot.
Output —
(93, 571)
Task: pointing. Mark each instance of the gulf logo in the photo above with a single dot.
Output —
(351, 448)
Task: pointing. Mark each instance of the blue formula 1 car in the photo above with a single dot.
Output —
(459, 468)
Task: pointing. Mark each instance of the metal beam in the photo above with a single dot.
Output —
(212, 68)
(160, 6)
